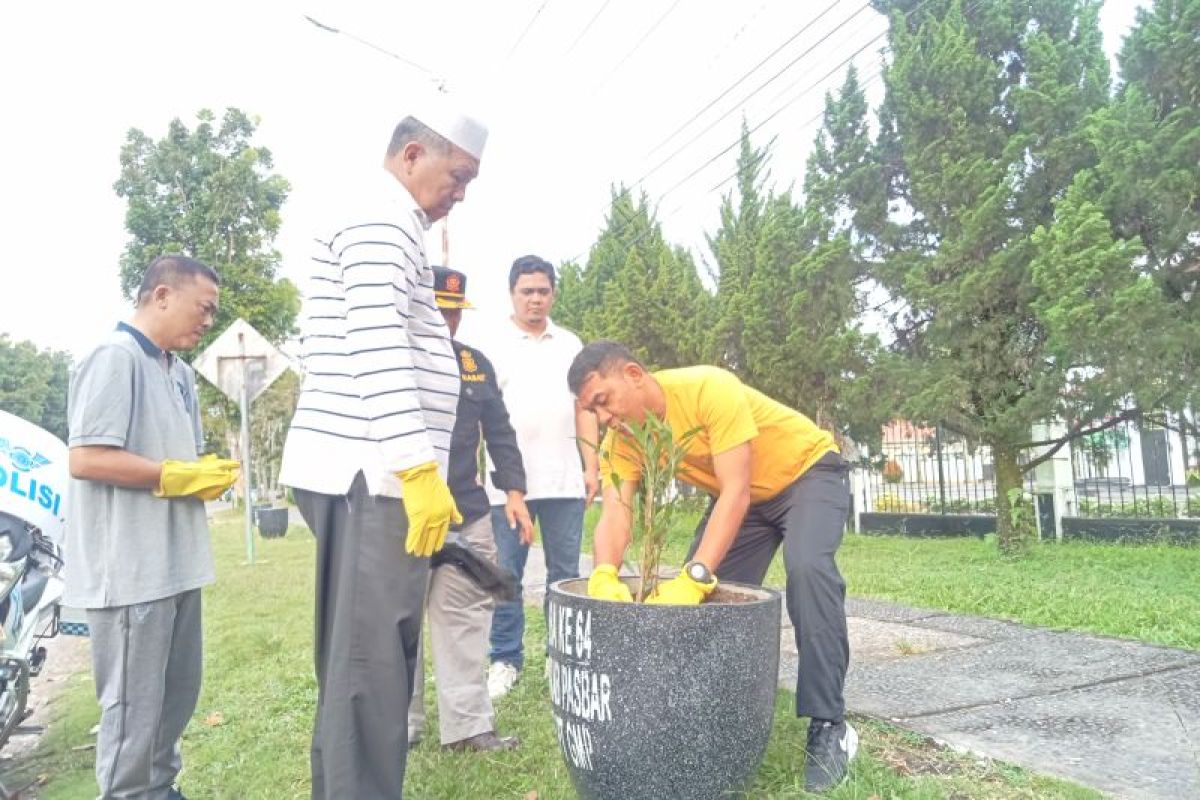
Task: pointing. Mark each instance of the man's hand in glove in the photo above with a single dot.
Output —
(430, 508)
(207, 478)
(605, 585)
(681, 591)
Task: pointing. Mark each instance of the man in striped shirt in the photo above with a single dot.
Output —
(367, 449)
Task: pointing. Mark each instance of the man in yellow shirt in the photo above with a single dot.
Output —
(775, 478)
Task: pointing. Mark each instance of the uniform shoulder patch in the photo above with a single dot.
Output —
(468, 361)
(470, 367)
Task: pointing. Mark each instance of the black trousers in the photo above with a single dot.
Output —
(369, 604)
(808, 518)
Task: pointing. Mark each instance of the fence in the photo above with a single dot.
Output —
(1138, 470)
(1134, 470)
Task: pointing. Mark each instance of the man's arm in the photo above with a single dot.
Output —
(732, 469)
(498, 434)
(114, 465)
(100, 408)
(615, 527)
(587, 434)
(501, 442)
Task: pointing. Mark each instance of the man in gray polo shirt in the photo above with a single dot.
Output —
(137, 549)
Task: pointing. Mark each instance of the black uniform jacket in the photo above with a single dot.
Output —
(481, 408)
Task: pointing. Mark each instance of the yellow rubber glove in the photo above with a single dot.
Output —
(681, 591)
(605, 585)
(430, 508)
(206, 478)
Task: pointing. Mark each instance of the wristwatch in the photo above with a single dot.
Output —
(699, 573)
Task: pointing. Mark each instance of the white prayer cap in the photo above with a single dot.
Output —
(440, 114)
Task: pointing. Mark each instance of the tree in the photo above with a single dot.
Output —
(839, 371)
(788, 299)
(209, 193)
(33, 384)
(982, 133)
(269, 422)
(735, 249)
(1147, 177)
(637, 289)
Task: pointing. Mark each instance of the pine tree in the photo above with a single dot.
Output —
(981, 132)
(1148, 176)
(637, 289)
(734, 247)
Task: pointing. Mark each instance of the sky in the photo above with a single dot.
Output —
(578, 96)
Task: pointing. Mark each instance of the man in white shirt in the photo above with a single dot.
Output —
(367, 448)
(531, 356)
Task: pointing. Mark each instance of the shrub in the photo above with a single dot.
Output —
(892, 472)
(1193, 507)
(963, 505)
(1160, 507)
(890, 504)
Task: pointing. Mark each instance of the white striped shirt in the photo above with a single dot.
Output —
(381, 379)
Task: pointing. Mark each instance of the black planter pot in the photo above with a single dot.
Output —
(661, 702)
(272, 522)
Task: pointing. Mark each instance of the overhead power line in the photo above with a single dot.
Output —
(746, 75)
(777, 112)
(865, 82)
(439, 81)
(586, 28)
(525, 32)
(638, 45)
(758, 89)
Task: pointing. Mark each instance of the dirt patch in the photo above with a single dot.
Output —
(66, 657)
(723, 594)
(914, 755)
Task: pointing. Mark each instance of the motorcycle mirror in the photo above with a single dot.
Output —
(15, 539)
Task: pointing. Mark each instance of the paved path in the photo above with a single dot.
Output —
(1116, 715)
(67, 657)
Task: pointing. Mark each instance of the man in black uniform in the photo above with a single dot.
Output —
(460, 612)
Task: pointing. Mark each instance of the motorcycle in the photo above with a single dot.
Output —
(33, 476)
(30, 597)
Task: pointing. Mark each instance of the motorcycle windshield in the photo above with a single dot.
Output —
(33, 475)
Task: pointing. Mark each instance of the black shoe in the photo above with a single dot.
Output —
(830, 747)
(484, 742)
(174, 794)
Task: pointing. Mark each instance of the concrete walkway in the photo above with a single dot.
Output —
(1116, 715)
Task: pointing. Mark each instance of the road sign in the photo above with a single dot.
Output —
(241, 351)
(242, 364)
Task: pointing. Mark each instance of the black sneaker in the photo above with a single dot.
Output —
(830, 747)
(174, 794)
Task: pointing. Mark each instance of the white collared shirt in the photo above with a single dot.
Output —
(532, 372)
(381, 379)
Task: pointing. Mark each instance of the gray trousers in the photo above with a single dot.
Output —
(370, 598)
(460, 618)
(808, 519)
(147, 661)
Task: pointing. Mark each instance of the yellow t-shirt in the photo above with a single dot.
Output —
(783, 442)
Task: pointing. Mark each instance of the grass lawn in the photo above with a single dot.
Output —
(1148, 592)
(249, 738)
